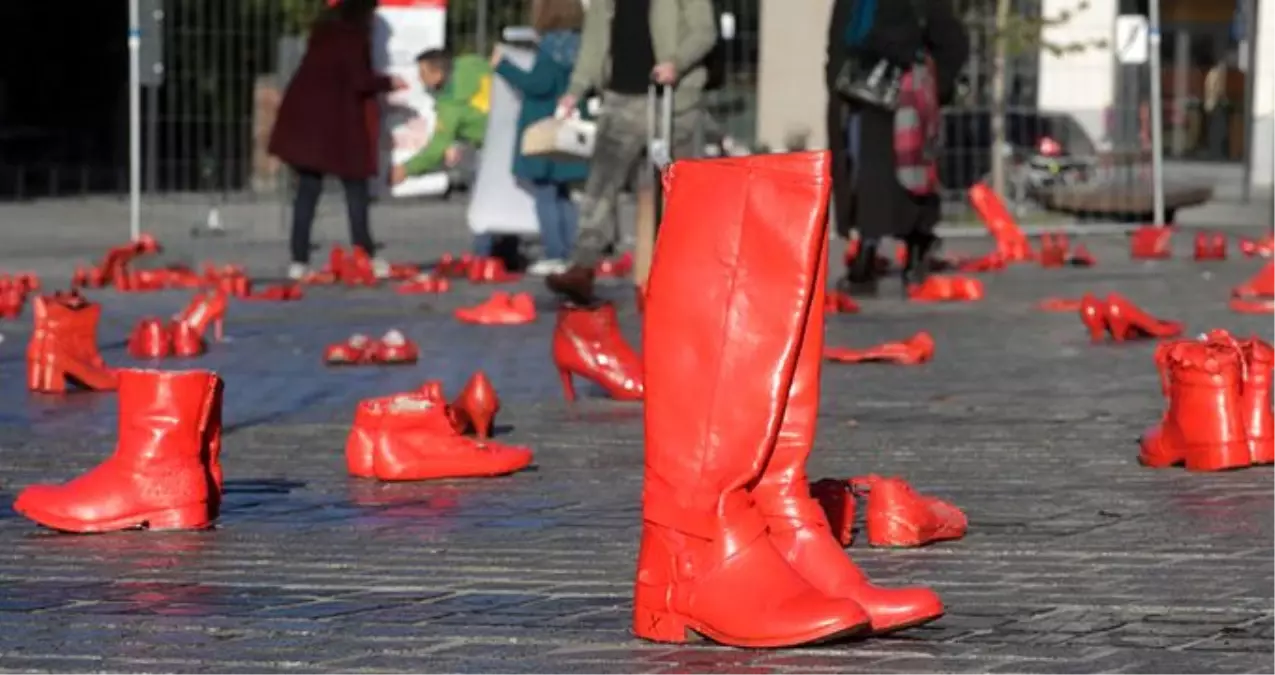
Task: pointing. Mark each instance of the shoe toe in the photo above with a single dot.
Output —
(897, 608)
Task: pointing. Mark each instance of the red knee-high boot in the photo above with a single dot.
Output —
(797, 523)
(726, 302)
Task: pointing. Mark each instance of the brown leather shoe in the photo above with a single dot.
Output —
(575, 284)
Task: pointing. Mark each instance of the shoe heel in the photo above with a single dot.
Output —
(659, 626)
(1232, 455)
(194, 517)
(1119, 328)
(481, 420)
(568, 386)
(44, 377)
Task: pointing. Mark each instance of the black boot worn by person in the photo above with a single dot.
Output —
(861, 276)
(575, 285)
(920, 249)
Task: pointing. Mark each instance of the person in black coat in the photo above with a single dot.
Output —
(867, 194)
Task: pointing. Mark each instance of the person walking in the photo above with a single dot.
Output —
(322, 125)
(890, 154)
(557, 22)
(626, 46)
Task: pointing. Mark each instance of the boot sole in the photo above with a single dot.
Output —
(690, 631)
(194, 517)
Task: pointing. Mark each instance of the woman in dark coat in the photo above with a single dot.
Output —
(322, 125)
(869, 196)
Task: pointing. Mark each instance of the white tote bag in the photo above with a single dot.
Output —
(563, 139)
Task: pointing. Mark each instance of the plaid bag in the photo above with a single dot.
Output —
(916, 130)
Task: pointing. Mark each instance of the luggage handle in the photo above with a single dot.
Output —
(659, 125)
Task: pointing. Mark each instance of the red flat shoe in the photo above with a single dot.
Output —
(424, 283)
(1262, 248)
(836, 302)
(453, 267)
(277, 293)
(490, 271)
(940, 288)
(616, 267)
(1151, 242)
(1242, 306)
(393, 349)
(991, 262)
(898, 517)
(354, 351)
(150, 340)
(910, 352)
(404, 271)
(476, 407)
(1128, 322)
(1059, 305)
(357, 269)
(501, 309)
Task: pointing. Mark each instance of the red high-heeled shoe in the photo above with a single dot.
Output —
(1093, 313)
(150, 340)
(12, 300)
(587, 343)
(1126, 321)
(1209, 246)
(206, 309)
(836, 302)
(476, 407)
(941, 288)
(1260, 285)
(915, 350)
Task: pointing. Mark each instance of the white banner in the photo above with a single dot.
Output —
(499, 203)
(403, 29)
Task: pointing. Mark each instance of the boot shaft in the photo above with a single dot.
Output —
(168, 415)
(1205, 390)
(727, 302)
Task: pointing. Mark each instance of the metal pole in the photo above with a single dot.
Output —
(480, 36)
(1250, 66)
(1157, 114)
(134, 121)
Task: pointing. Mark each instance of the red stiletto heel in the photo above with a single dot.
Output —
(568, 385)
(477, 405)
(1093, 314)
(587, 342)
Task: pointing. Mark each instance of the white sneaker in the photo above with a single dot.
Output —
(298, 271)
(543, 268)
(380, 268)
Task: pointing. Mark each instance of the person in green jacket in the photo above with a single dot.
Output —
(462, 98)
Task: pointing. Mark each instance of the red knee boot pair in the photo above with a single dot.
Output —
(165, 473)
(1218, 416)
(733, 546)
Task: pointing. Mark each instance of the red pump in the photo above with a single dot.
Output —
(1122, 320)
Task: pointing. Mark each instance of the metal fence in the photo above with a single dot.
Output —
(225, 62)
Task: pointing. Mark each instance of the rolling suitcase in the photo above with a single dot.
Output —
(650, 199)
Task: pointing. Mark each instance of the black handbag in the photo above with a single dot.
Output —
(874, 83)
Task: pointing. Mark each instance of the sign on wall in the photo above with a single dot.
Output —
(1132, 43)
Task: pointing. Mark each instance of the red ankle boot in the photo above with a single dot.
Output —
(719, 363)
(161, 474)
(587, 343)
(1203, 425)
(1151, 242)
(63, 347)
(477, 405)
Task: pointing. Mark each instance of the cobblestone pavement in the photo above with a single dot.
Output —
(1077, 560)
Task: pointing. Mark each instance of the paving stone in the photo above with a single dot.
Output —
(1077, 560)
